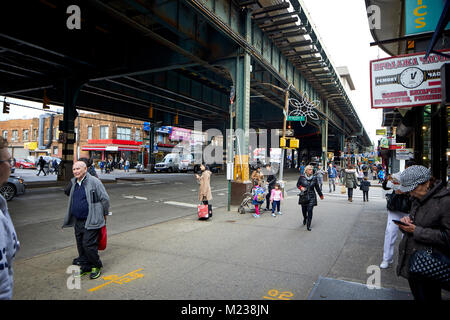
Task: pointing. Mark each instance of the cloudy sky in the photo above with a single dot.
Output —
(344, 31)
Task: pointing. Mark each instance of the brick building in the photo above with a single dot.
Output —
(102, 136)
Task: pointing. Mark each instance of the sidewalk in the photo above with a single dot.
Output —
(232, 257)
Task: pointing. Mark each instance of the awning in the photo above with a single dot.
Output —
(112, 148)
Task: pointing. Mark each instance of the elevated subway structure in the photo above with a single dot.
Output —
(180, 60)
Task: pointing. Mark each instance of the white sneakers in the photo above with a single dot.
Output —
(385, 264)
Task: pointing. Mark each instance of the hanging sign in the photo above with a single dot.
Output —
(406, 81)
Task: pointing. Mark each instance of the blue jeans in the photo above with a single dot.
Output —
(276, 204)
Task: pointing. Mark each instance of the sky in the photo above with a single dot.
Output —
(344, 32)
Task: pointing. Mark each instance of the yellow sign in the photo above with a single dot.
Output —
(380, 132)
(30, 145)
(133, 275)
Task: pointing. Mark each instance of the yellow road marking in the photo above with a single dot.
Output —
(133, 275)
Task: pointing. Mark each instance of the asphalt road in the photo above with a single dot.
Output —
(38, 215)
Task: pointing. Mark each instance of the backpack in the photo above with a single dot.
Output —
(259, 194)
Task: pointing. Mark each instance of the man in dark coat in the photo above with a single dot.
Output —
(41, 164)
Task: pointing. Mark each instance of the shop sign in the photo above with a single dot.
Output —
(404, 154)
(275, 155)
(164, 129)
(180, 134)
(406, 81)
(423, 15)
(146, 126)
(30, 145)
(380, 132)
(112, 148)
(384, 143)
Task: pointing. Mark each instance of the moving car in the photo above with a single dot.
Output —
(14, 186)
(25, 164)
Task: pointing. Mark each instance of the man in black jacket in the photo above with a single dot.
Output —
(41, 164)
(271, 181)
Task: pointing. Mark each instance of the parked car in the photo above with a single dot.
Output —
(14, 186)
(24, 164)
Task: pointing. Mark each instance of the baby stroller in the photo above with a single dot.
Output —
(246, 204)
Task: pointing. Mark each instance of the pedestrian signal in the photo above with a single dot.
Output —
(294, 143)
(5, 107)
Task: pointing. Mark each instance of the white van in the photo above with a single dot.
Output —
(169, 164)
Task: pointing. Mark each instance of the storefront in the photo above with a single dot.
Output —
(112, 149)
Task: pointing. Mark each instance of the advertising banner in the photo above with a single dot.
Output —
(423, 15)
(179, 134)
(406, 81)
(380, 132)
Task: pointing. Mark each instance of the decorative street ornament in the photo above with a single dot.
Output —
(303, 109)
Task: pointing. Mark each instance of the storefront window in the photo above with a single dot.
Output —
(25, 135)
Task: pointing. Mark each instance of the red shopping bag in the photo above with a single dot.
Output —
(203, 212)
(102, 238)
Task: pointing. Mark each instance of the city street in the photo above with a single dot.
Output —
(158, 249)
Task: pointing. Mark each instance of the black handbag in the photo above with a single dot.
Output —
(398, 202)
(431, 266)
(303, 197)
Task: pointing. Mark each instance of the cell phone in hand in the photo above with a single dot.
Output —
(399, 222)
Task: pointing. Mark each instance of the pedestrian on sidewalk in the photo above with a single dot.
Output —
(101, 164)
(276, 197)
(9, 245)
(308, 186)
(396, 210)
(257, 176)
(258, 193)
(350, 181)
(87, 210)
(428, 226)
(364, 186)
(41, 164)
(271, 180)
(204, 191)
(381, 175)
(332, 174)
(127, 165)
(319, 174)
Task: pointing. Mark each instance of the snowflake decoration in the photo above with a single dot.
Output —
(304, 108)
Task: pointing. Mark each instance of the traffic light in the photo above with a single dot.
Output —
(176, 119)
(5, 107)
(282, 142)
(45, 101)
(150, 112)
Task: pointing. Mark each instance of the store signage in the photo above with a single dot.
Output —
(423, 15)
(404, 154)
(112, 148)
(146, 126)
(164, 129)
(275, 155)
(180, 134)
(406, 81)
(380, 132)
(30, 145)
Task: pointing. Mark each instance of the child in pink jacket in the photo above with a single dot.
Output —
(276, 197)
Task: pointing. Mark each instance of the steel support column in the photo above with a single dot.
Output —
(71, 91)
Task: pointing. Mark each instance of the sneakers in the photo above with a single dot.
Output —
(95, 273)
(385, 264)
(256, 215)
(279, 212)
(273, 214)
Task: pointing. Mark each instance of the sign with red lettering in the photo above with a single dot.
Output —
(406, 81)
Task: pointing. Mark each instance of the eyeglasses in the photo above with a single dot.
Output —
(9, 161)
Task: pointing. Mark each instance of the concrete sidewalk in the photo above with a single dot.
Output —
(231, 257)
